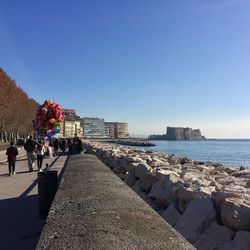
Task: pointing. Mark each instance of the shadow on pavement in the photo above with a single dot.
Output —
(20, 225)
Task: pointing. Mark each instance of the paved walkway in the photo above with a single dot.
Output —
(20, 225)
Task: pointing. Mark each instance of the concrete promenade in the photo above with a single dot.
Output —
(20, 225)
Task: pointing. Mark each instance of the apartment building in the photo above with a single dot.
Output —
(93, 127)
(116, 130)
(110, 130)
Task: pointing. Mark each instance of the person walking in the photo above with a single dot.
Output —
(79, 145)
(56, 146)
(12, 152)
(30, 146)
(40, 151)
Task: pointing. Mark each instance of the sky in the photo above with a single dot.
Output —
(150, 63)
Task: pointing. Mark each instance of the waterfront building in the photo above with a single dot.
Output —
(110, 129)
(69, 112)
(93, 127)
(117, 130)
(71, 126)
(121, 130)
(71, 129)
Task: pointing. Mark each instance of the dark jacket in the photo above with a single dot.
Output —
(12, 152)
(30, 146)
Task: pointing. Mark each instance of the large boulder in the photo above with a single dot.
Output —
(186, 194)
(235, 214)
(242, 173)
(147, 180)
(130, 179)
(141, 169)
(162, 174)
(219, 197)
(172, 159)
(163, 190)
(214, 237)
(240, 242)
(171, 215)
(196, 219)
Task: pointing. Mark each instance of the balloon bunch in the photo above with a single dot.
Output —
(48, 119)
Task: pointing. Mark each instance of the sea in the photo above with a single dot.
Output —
(228, 152)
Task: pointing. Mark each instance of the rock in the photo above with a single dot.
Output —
(214, 237)
(230, 245)
(186, 195)
(240, 242)
(146, 181)
(157, 163)
(141, 169)
(171, 215)
(131, 167)
(197, 178)
(242, 168)
(162, 190)
(235, 215)
(185, 160)
(162, 174)
(218, 198)
(225, 180)
(214, 164)
(242, 173)
(198, 162)
(196, 219)
(247, 184)
(130, 179)
(147, 199)
(204, 168)
(172, 159)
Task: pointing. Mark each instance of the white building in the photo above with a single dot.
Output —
(93, 127)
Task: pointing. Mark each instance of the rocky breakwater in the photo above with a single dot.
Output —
(133, 142)
(208, 203)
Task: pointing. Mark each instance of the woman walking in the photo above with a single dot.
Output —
(40, 150)
(12, 152)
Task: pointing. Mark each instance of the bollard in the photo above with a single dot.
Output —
(47, 186)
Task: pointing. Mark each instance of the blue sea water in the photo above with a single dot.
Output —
(228, 152)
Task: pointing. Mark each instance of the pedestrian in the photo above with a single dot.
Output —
(70, 146)
(12, 152)
(63, 145)
(56, 146)
(30, 146)
(40, 151)
(79, 145)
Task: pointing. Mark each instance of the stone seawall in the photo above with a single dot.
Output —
(94, 209)
(208, 203)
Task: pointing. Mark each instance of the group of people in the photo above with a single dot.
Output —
(37, 149)
(32, 147)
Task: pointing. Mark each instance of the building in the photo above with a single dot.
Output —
(116, 130)
(67, 112)
(71, 126)
(121, 130)
(109, 130)
(71, 129)
(93, 127)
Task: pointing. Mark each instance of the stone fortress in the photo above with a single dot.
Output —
(179, 133)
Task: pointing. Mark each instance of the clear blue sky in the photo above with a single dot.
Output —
(151, 63)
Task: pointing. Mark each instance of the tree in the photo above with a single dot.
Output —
(17, 110)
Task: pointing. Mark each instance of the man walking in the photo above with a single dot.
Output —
(12, 152)
(30, 146)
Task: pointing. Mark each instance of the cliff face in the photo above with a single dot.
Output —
(177, 133)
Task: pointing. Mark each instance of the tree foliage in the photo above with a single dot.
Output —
(17, 110)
